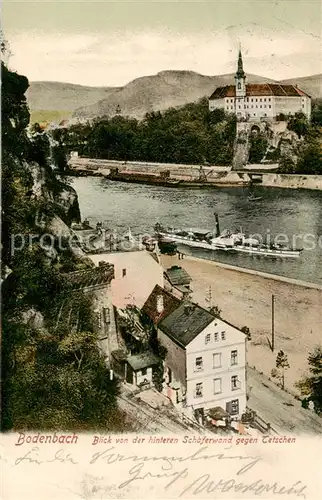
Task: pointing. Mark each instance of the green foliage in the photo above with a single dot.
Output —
(215, 311)
(311, 386)
(316, 117)
(53, 376)
(298, 124)
(54, 383)
(287, 165)
(281, 117)
(190, 134)
(59, 159)
(246, 331)
(258, 146)
(310, 161)
(309, 151)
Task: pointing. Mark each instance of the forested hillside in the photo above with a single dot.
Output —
(189, 134)
(53, 373)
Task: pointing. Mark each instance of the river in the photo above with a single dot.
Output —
(296, 214)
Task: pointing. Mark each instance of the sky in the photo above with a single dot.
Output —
(109, 43)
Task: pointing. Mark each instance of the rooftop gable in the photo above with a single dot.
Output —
(143, 360)
(151, 305)
(178, 276)
(186, 322)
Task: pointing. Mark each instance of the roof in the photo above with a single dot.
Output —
(186, 322)
(104, 273)
(119, 355)
(259, 89)
(178, 276)
(144, 360)
(150, 307)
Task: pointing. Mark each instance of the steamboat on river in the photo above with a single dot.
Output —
(227, 241)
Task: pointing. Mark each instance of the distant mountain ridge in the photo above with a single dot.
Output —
(166, 89)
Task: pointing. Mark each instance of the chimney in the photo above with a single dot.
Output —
(160, 305)
(188, 308)
(217, 225)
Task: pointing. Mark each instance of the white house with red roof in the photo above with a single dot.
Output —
(259, 101)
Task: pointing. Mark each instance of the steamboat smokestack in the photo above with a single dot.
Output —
(217, 225)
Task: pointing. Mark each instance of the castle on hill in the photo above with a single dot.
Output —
(259, 101)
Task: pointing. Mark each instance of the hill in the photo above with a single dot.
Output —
(171, 88)
(312, 85)
(158, 92)
(56, 101)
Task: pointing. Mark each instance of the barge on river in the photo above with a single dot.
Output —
(227, 241)
(164, 179)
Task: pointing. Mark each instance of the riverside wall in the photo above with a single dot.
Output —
(215, 174)
(292, 181)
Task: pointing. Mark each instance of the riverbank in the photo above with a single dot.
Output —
(177, 175)
(245, 299)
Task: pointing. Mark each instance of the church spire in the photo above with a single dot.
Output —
(240, 70)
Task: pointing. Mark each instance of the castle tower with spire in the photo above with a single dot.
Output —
(240, 77)
(240, 83)
(259, 101)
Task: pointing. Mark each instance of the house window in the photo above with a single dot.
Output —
(233, 407)
(216, 360)
(260, 105)
(223, 335)
(256, 99)
(269, 99)
(216, 336)
(217, 386)
(252, 99)
(233, 357)
(198, 364)
(123, 273)
(235, 383)
(269, 106)
(260, 99)
(207, 338)
(198, 390)
(144, 371)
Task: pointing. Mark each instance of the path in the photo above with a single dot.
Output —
(278, 408)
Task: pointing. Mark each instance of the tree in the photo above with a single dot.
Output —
(215, 311)
(310, 161)
(246, 331)
(258, 146)
(286, 165)
(282, 365)
(311, 386)
(298, 124)
(316, 117)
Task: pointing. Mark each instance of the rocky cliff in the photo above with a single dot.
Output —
(265, 142)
